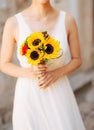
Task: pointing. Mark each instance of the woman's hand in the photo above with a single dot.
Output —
(49, 78)
(40, 70)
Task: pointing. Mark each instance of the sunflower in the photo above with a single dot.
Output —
(52, 48)
(34, 56)
(35, 39)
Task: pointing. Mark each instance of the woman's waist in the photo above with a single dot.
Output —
(28, 81)
(35, 81)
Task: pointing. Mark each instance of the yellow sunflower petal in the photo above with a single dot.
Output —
(35, 39)
(34, 56)
(53, 48)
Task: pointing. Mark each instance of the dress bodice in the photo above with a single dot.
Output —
(59, 33)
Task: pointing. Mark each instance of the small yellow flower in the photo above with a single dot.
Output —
(35, 39)
(34, 56)
(52, 48)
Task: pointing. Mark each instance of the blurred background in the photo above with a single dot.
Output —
(82, 81)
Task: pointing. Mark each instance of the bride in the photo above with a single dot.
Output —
(48, 102)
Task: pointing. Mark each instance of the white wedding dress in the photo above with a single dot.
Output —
(54, 108)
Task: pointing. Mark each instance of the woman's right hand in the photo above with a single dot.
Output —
(40, 70)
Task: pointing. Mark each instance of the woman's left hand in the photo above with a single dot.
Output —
(49, 78)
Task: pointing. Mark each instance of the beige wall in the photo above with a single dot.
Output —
(86, 32)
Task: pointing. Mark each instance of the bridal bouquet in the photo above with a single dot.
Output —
(39, 47)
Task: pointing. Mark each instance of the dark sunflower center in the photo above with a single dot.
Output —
(49, 49)
(34, 55)
(36, 42)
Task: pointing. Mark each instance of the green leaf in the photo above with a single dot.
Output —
(46, 60)
(26, 43)
(45, 32)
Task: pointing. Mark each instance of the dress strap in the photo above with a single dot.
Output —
(62, 23)
(63, 35)
(20, 20)
(23, 30)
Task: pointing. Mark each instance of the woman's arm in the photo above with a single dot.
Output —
(7, 51)
(74, 44)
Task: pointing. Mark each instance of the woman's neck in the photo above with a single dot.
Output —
(41, 10)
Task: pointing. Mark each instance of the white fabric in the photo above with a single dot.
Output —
(54, 108)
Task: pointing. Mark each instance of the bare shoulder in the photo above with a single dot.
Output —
(11, 22)
(11, 28)
(70, 22)
(70, 18)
